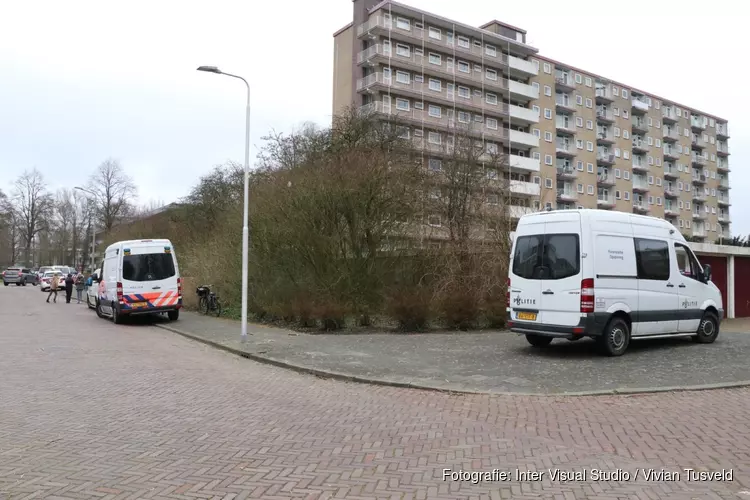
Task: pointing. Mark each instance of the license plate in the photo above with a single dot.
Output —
(138, 304)
(527, 316)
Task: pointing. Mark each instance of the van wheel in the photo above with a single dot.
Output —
(116, 318)
(615, 338)
(99, 310)
(708, 330)
(173, 315)
(538, 340)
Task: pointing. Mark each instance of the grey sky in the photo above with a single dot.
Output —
(84, 80)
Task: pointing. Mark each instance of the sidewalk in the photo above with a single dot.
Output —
(487, 362)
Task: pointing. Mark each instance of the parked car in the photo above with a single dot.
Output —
(612, 276)
(12, 275)
(91, 291)
(28, 277)
(47, 279)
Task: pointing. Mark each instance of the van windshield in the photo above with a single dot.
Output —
(148, 267)
(548, 257)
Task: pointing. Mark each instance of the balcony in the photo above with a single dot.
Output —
(380, 54)
(565, 194)
(668, 115)
(564, 104)
(698, 142)
(640, 166)
(606, 179)
(699, 230)
(723, 201)
(722, 149)
(379, 25)
(698, 160)
(605, 201)
(699, 215)
(698, 195)
(670, 134)
(640, 185)
(566, 172)
(604, 94)
(522, 67)
(640, 147)
(524, 163)
(670, 172)
(671, 192)
(522, 91)
(565, 149)
(639, 106)
(699, 178)
(723, 183)
(722, 131)
(605, 158)
(723, 217)
(671, 154)
(518, 211)
(639, 126)
(528, 116)
(640, 206)
(697, 123)
(564, 82)
(524, 188)
(565, 126)
(605, 115)
(524, 138)
(605, 137)
(671, 211)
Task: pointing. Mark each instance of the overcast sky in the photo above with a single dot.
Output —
(81, 81)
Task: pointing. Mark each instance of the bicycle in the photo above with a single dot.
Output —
(208, 301)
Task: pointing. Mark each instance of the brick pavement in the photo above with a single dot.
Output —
(91, 410)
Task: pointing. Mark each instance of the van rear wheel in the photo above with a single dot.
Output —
(708, 330)
(538, 340)
(615, 338)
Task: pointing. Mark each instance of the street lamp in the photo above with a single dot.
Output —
(245, 214)
(93, 231)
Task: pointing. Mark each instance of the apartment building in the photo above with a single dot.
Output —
(572, 138)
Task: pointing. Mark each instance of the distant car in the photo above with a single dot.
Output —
(92, 290)
(12, 275)
(28, 277)
(47, 279)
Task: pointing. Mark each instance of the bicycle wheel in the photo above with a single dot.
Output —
(207, 305)
(217, 308)
(201, 303)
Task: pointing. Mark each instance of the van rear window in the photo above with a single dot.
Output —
(148, 267)
(547, 257)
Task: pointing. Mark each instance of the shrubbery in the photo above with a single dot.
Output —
(339, 235)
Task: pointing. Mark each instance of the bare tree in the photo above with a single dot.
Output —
(63, 223)
(33, 204)
(8, 231)
(114, 192)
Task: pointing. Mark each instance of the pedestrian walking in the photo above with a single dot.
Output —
(69, 288)
(80, 285)
(53, 287)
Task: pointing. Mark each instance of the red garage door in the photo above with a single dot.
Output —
(718, 274)
(741, 288)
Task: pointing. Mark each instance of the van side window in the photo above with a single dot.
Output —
(686, 262)
(652, 259)
(548, 257)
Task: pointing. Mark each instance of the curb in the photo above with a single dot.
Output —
(625, 391)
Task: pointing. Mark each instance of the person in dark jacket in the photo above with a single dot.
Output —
(69, 281)
(80, 285)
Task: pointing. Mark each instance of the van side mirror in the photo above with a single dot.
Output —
(707, 273)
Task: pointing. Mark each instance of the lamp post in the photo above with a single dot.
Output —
(245, 214)
(93, 231)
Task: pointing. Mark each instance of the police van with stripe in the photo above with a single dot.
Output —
(611, 276)
(138, 277)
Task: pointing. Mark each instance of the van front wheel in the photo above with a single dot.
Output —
(708, 330)
(615, 338)
(538, 340)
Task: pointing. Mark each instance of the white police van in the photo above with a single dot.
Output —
(139, 277)
(608, 275)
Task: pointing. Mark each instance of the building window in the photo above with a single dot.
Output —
(548, 113)
(433, 220)
(464, 92)
(579, 143)
(579, 165)
(579, 122)
(590, 189)
(548, 159)
(547, 68)
(491, 99)
(403, 77)
(435, 164)
(403, 50)
(403, 24)
(579, 78)
(433, 138)
(402, 104)
(580, 188)
(617, 173)
(418, 105)
(589, 103)
(435, 111)
(589, 146)
(490, 50)
(463, 67)
(547, 90)
(579, 100)
(463, 42)
(624, 94)
(548, 136)
(435, 59)
(589, 124)
(548, 183)
(435, 33)
(464, 117)
(492, 123)
(536, 132)
(491, 74)
(436, 85)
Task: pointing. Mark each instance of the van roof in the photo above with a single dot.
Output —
(607, 215)
(145, 241)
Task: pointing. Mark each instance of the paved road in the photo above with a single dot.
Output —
(91, 410)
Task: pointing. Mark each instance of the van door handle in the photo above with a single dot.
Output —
(548, 292)
(670, 285)
(682, 285)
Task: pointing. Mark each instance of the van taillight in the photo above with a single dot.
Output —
(587, 295)
(179, 287)
(507, 294)
(119, 292)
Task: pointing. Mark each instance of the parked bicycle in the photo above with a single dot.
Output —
(208, 301)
